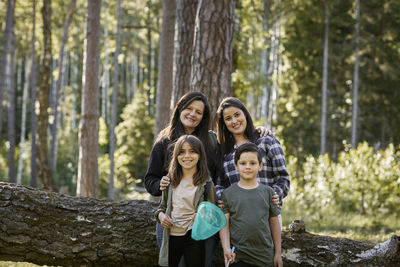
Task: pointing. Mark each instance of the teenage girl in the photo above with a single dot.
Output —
(190, 179)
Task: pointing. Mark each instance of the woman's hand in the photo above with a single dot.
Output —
(264, 132)
(164, 183)
(220, 204)
(166, 221)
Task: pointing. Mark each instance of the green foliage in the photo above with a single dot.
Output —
(361, 190)
(67, 161)
(134, 141)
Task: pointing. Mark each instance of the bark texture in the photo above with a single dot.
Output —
(43, 227)
(89, 124)
(185, 22)
(8, 32)
(44, 171)
(165, 66)
(212, 52)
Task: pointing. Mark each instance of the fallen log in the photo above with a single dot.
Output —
(44, 227)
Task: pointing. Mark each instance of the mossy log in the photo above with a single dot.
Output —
(43, 227)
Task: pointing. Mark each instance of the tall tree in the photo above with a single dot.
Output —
(354, 116)
(114, 105)
(8, 31)
(23, 119)
(265, 63)
(105, 80)
(89, 124)
(185, 22)
(44, 169)
(11, 106)
(212, 51)
(325, 80)
(33, 100)
(54, 141)
(165, 65)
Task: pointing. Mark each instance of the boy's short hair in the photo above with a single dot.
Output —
(247, 147)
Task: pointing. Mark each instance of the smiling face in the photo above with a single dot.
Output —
(192, 115)
(235, 120)
(187, 157)
(248, 165)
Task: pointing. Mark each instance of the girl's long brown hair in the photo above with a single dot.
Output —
(175, 169)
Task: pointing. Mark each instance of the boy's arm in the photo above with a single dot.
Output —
(276, 237)
(226, 242)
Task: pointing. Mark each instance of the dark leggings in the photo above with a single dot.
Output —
(185, 246)
(241, 264)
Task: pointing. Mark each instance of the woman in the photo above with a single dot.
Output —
(235, 127)
(191, 115)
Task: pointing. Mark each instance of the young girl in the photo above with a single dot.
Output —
(190, 185)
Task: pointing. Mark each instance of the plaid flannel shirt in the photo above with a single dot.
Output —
(272, 173)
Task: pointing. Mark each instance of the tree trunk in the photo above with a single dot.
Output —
(11, 107)
(33, 101)
(264, 66)
(325, 80)
(75, 79)
(354, 115)
(23, 119)
(165, 67)
(4, 56)
(43, 227)
(185, 22)
(212, 52)
(105, 80)
(54, 141)
(44, 169)
(114, 105)
(274, 66)
(87, 184)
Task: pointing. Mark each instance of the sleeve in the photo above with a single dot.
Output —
(280, 174)
(226, 204)
(163, 204)
(222, 184)
(273, 209)
(212, 194)
(155, 169)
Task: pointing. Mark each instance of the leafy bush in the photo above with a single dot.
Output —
(134, 142)
(362, 184)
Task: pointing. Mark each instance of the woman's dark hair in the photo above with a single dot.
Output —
(225, 137)
(175, 128)
(175, 169)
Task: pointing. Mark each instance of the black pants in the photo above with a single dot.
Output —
(184, 245)
(241, 264)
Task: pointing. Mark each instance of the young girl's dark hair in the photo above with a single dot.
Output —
(175, 169)
(225, 137)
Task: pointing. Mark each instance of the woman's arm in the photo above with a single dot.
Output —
(155, 169)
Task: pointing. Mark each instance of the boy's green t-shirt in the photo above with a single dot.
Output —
(249, 212)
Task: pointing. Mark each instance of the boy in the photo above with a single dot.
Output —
(253, 226)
